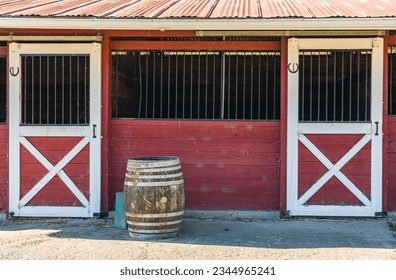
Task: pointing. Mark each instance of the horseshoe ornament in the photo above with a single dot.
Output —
(293, 67)
(13, 72)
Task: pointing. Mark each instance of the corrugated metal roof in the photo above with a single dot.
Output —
(199, 8)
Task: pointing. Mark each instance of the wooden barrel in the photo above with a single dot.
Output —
(154, 197)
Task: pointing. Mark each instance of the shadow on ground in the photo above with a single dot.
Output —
(281, 234)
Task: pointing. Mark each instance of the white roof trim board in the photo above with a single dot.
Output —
(201, 24)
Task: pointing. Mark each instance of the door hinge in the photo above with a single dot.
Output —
(97, 215)
(286, 214)
(381, 214)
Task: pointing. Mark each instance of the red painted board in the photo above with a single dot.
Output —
(3, 167)
(391, 157)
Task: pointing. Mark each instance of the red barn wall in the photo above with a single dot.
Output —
(3, 168)
(226, 165)
(391, 191)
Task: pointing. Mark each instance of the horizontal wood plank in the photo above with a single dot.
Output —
(194, 129)
(213, 171)
(203, 158)
(225, 145)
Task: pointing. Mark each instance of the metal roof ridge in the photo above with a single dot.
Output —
(260, 11)
(212, 9)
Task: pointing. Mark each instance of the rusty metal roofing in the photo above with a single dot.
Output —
(205, 9)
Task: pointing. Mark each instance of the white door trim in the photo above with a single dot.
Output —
(296, 131)
(18, 134)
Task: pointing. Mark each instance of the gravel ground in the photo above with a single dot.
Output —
(201, 239)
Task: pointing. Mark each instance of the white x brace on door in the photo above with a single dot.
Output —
(54, 149)
(319, 137)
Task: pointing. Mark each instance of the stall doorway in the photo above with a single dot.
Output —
(334, 152)
(54, 124)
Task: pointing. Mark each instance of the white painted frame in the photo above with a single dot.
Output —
(296, 131)
(18, 134)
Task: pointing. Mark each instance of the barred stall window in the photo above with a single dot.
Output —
(55, 90)
(392, 80)
(335, 86)
(3, 88)
(237, 85)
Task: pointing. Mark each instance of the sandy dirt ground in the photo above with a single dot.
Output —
(97, 239)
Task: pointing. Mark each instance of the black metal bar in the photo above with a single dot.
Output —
(274, 90)
(85, 91)
(161, 80)
(350, 84)
(244, 86)
(251, 84)
(32, 120)
(358, 88)
(214, 87)
(319, 92)
(78, 90)
(56, 91)
(199, 84)
(223, 79)
(266, 87)
(48, 71)
(117, 87)
(335, 85)
(63, 90)
(147, 84)
(310, 87)
(206, 86)
(25, 91)
(327, 87)
(366, 88)
(176, 83)
(229, 86)
(236, 86)
(191, 83)
(342, 87)
(302, 71)
(40, 82)
(154, 79)
(390, 78)
(184, 83)
(71, 90)
(259, 88)
(140, 83)
(169, 83)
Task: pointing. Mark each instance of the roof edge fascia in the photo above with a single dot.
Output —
(199, 24)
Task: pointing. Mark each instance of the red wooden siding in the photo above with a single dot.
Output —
(3, 167)
(105, 124)
(226, 165)
(391, 192)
